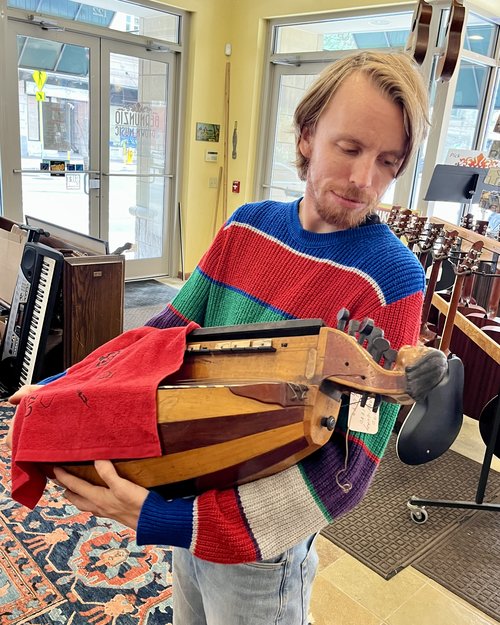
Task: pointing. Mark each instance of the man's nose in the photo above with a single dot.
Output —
(362, 172)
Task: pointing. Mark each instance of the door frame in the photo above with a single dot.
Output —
(154, 266)
(11, 159)
(95, 38)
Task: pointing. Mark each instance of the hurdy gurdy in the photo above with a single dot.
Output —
(252, 400)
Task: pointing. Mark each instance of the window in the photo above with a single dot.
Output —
(114, 14)
(290, 81)
(386, 30)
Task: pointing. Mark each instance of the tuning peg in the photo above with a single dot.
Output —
(353, 327)
(378, 346)
(365, 329)
(342, 319)
(390, 356)
(375, 333)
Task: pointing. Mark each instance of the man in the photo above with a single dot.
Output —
(246, 555)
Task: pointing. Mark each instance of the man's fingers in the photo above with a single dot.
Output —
(22, 392)
(107, 472)
(74, 484)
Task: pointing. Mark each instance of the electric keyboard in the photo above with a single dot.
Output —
(30, 315)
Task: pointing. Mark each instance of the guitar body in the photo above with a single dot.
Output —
(433, 424)
(486, 422)
(418, 40)
(453, 40)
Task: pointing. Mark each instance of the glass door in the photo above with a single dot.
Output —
(92, 119)
(57, 80)
(137, 177)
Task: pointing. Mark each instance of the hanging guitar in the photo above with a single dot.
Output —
(447, 62)
(418, 39)
(464, 268)
(428, 333)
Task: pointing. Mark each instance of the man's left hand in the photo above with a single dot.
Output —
(120, 499)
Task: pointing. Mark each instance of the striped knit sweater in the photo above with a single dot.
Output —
(263, 266)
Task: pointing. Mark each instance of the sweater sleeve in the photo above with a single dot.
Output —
(261, 519)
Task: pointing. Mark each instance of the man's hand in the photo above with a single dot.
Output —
(121, 500)
(15, 399)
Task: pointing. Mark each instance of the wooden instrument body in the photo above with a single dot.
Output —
(241, 410)
(418, 40)
(455, 28)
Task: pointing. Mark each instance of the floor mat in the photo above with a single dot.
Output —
(147, 293)
(467, 562)
(379, 531)
(137, 317)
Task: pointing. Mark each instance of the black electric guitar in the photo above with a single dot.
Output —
(418, 39)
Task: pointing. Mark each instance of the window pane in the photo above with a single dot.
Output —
(492, 140)
(376, 31)
(480, 35)
(469, 97)
(113, 14)
(285, 183)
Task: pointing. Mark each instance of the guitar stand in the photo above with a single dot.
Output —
(417, 506)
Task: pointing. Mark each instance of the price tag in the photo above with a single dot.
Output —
(362, 418)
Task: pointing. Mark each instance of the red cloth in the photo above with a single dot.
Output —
(104, 407)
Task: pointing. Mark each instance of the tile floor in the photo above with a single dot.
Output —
(348, 593)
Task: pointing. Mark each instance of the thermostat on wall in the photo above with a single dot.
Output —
(211, 156)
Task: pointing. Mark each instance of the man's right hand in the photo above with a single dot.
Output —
(15, 399)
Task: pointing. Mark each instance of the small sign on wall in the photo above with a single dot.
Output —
(207, 132)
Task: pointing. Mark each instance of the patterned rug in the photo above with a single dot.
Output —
(59, 566)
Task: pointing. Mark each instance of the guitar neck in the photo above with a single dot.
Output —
(429, 292)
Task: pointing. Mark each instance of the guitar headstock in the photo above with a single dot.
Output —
(469, 263)
(415, 229)
(400, 226)
(449, 239)
(393, 215)
(467, 221)
(431, 235)
(481, 226)
(418, 39)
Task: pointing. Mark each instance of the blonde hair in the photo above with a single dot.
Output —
(394, 73)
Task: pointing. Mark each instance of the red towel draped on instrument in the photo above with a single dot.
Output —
(104, 407)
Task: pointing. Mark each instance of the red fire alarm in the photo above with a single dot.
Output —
(236, 186)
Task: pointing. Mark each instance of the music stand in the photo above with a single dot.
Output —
(454, 183)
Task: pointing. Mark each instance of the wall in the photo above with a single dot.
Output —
(243, 23)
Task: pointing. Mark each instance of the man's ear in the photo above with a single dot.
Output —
(305, 143)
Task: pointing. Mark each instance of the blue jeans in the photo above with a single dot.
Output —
(271, 592)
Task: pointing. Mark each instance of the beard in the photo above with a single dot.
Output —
(340, 217)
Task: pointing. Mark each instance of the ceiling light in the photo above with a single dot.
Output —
(475, 37)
